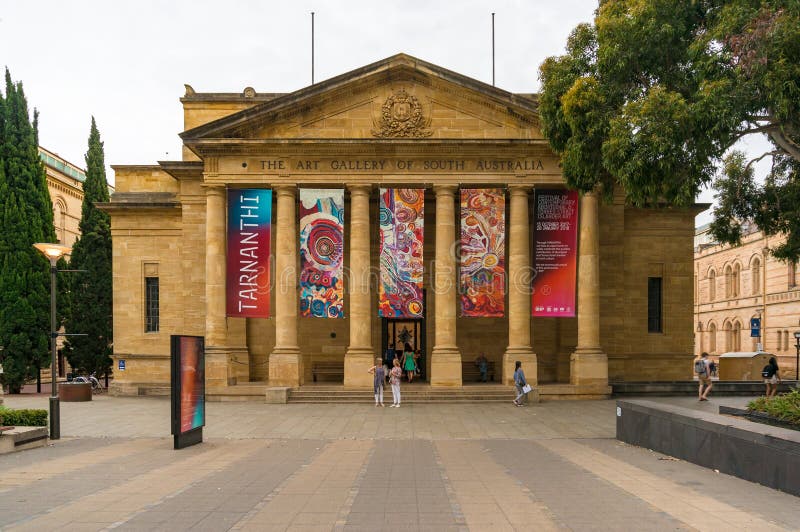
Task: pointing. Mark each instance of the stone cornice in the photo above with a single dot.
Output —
(183, 169)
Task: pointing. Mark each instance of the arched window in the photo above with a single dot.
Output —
(785, 340)
(712, 337)
(728, 328)
(779, 342)
(792, 274)
(755, 275)
(737, 337)
(728, 282)
(712, 285)
(737, 270)
(60, 220)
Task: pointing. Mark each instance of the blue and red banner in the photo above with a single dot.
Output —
(248, 265)
(555, 247)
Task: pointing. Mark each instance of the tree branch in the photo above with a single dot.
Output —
(786, 144)
(753, 161)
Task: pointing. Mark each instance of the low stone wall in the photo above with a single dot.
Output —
(689, 388)
(751, 451)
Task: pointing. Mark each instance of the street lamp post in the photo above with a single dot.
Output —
(53, 252)
(797, 355)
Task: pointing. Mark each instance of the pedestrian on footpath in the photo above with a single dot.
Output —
(520, 383)
(395, 376)
(702, 368)
(377, 382)
(772, 376)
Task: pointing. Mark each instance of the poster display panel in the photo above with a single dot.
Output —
(401, 222)
(555, 251)
(483, 241)
(248, 257)
(188, 381)
(321, 252)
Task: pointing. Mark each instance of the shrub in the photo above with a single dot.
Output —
(785, 407)
(28, 417)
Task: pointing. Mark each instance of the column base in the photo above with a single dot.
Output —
(357, 360)
(226, 366)
(286, 367)
(530, 364)
(446, 366)
(588, 366)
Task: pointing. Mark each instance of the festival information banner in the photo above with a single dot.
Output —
(401, 239)
(188, 384)
(555, 239)
(321, 252)
(249, 225)
(483, 243)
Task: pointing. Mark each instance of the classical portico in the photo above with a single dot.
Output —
(397, 124)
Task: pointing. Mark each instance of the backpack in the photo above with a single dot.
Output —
(768, 371)
(700, 367)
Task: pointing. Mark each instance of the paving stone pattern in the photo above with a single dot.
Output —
(551, 466)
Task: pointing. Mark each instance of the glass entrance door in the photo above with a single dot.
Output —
(400, 335)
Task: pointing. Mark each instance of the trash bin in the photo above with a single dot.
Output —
(743, 365)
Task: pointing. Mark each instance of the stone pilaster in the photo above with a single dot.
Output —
(519, 289)
(359, 356)
(445, 356)
(285, 361)
(588, 363)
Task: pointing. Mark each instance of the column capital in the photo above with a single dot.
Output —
(214, 189)
(359, 188)
(285, 190)
(519, 189)
(445, 190)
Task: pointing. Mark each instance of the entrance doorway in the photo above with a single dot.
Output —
(400, 334)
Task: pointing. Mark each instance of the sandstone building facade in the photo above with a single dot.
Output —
(634, 272)
(734, 284)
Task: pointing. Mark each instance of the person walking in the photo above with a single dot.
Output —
(702, 368)
(408, 362)
(519, 382)
(772, 377)
(379, 372)
(395, 376)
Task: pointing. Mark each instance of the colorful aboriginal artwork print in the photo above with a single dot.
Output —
(401, 239)
(483, 247)
(321, 251)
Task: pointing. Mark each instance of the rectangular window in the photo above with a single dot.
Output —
(151, 304)
(654, 305)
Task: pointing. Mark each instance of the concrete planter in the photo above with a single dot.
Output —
(73, 392)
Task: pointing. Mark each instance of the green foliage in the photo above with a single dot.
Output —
(28, 417)
(90, 305)
(649, 98)
(785, 407)
(26, 217)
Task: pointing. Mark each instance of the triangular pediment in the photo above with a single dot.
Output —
(398, 98)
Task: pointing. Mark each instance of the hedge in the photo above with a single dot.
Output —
(785, 407)
(27, 417)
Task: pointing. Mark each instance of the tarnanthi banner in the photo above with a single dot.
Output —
(249, 225)
(321, 250)
(401, 239)
(483, 243)
(555, 239)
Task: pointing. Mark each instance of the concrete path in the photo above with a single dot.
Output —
(551, 466)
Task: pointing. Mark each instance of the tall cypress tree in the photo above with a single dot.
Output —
(90, 295)
(26, 217)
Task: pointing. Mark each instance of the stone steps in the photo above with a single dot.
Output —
(410, 394)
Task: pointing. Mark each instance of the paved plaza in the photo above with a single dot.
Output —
(549, 466)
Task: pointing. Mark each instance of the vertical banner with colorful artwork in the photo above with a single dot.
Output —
(249, 224)
(555, 250)
(402, 211)
(483, 245)
(321, 252)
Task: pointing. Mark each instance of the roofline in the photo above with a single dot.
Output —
(398, 61)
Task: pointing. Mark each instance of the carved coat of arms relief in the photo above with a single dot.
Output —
(402, 116)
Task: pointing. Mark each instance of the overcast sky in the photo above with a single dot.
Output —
(125, 63)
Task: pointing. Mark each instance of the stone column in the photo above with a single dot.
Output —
(285, 361)
(588, 364)
(519, 289)
(360, 355)
(216, 353)
(445, 356)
